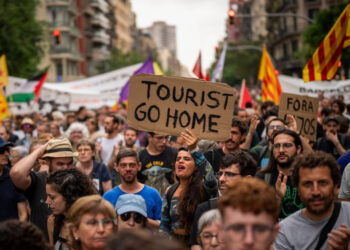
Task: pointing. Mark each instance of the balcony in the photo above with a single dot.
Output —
(101, 37)
(102, 5)
(59, 52)
(101, 21)
(100, 54)
(65, 25)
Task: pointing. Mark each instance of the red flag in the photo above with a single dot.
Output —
(207, 77)
(244, 95)
(38, 86)
(197, 69)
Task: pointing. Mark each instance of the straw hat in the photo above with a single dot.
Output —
(27, 121)
(59, 148)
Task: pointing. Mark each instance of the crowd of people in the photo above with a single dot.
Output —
(86, 180)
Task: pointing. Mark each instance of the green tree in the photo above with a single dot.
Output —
(240, 64)
(317, 31)
(20, 36)
(119, 60)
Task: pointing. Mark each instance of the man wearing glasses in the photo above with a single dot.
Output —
(233, 167)
(261, 152)
(157, 162)
(249, 211)
(286, 144)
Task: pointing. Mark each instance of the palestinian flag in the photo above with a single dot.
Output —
(30, 90)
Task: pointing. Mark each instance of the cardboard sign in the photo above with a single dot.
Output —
(168, 105)
(304, 109)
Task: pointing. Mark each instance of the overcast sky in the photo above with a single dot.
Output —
(200, 25)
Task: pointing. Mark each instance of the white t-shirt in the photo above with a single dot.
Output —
(108, 147)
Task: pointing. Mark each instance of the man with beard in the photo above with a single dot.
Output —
(127, 165)
(286, 144)
(332, 143)
(316, 176)
(112, 138)
(237, 136)
(234, 166)
(57, 154)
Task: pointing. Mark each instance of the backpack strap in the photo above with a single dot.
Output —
(328, 227)
(171, 192)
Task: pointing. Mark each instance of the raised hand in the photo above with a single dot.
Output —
(190, 139)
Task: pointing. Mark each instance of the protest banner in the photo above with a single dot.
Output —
(332, 88)
(304, 109)
(168, 105)
(92, 92)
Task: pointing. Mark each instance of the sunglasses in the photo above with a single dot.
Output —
(3, 150)
(138, 218)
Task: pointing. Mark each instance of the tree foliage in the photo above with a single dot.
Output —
(20, 36)
(317, 31)
(241, 64)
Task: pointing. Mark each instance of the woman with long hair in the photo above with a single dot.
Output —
(63, 188)
(196, 184)
(91, 219)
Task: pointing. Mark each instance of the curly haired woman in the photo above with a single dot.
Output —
(63, 188)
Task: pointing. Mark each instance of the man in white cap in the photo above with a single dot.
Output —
(58, 154)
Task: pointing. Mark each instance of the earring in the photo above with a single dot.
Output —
(76, 238)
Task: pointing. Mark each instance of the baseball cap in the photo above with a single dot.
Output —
(330, 118)
(131, 203)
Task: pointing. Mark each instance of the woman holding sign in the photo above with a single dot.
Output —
(196, 184)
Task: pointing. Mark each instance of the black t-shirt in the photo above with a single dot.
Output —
(157, 170)
(327, 146)
(36, 195)
(201, 209)
(9, 197)
(214, 157)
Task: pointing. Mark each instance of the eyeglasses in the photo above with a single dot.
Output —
(138, 218)
(260, 232)
(26, 126)
(277, 127)
(226, 174)
(207, 237)
(3, 150)
(106, 223)
(80, 150)
(77, 132)
(277, 146)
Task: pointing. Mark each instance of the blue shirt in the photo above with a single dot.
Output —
(149, 194)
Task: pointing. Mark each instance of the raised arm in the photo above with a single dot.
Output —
(20, 171)
(203, 165)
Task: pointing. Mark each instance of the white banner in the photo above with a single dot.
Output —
(330, 88)
(92, 92)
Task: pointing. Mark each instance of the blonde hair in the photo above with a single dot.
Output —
(91, 204)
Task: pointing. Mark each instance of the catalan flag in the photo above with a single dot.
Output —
(4, 108)
(323, 64)
(271, 87)
(3, 72)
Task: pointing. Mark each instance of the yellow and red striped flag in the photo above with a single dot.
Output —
(3, 72)
(323, 64)
(271, 87)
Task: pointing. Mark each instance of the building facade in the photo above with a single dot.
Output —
(285, 33)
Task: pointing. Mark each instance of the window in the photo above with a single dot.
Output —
(312, 13)
(295, 45)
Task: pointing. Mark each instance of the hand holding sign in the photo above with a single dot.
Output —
(190, 139)
(168, 105)
(304, 109)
